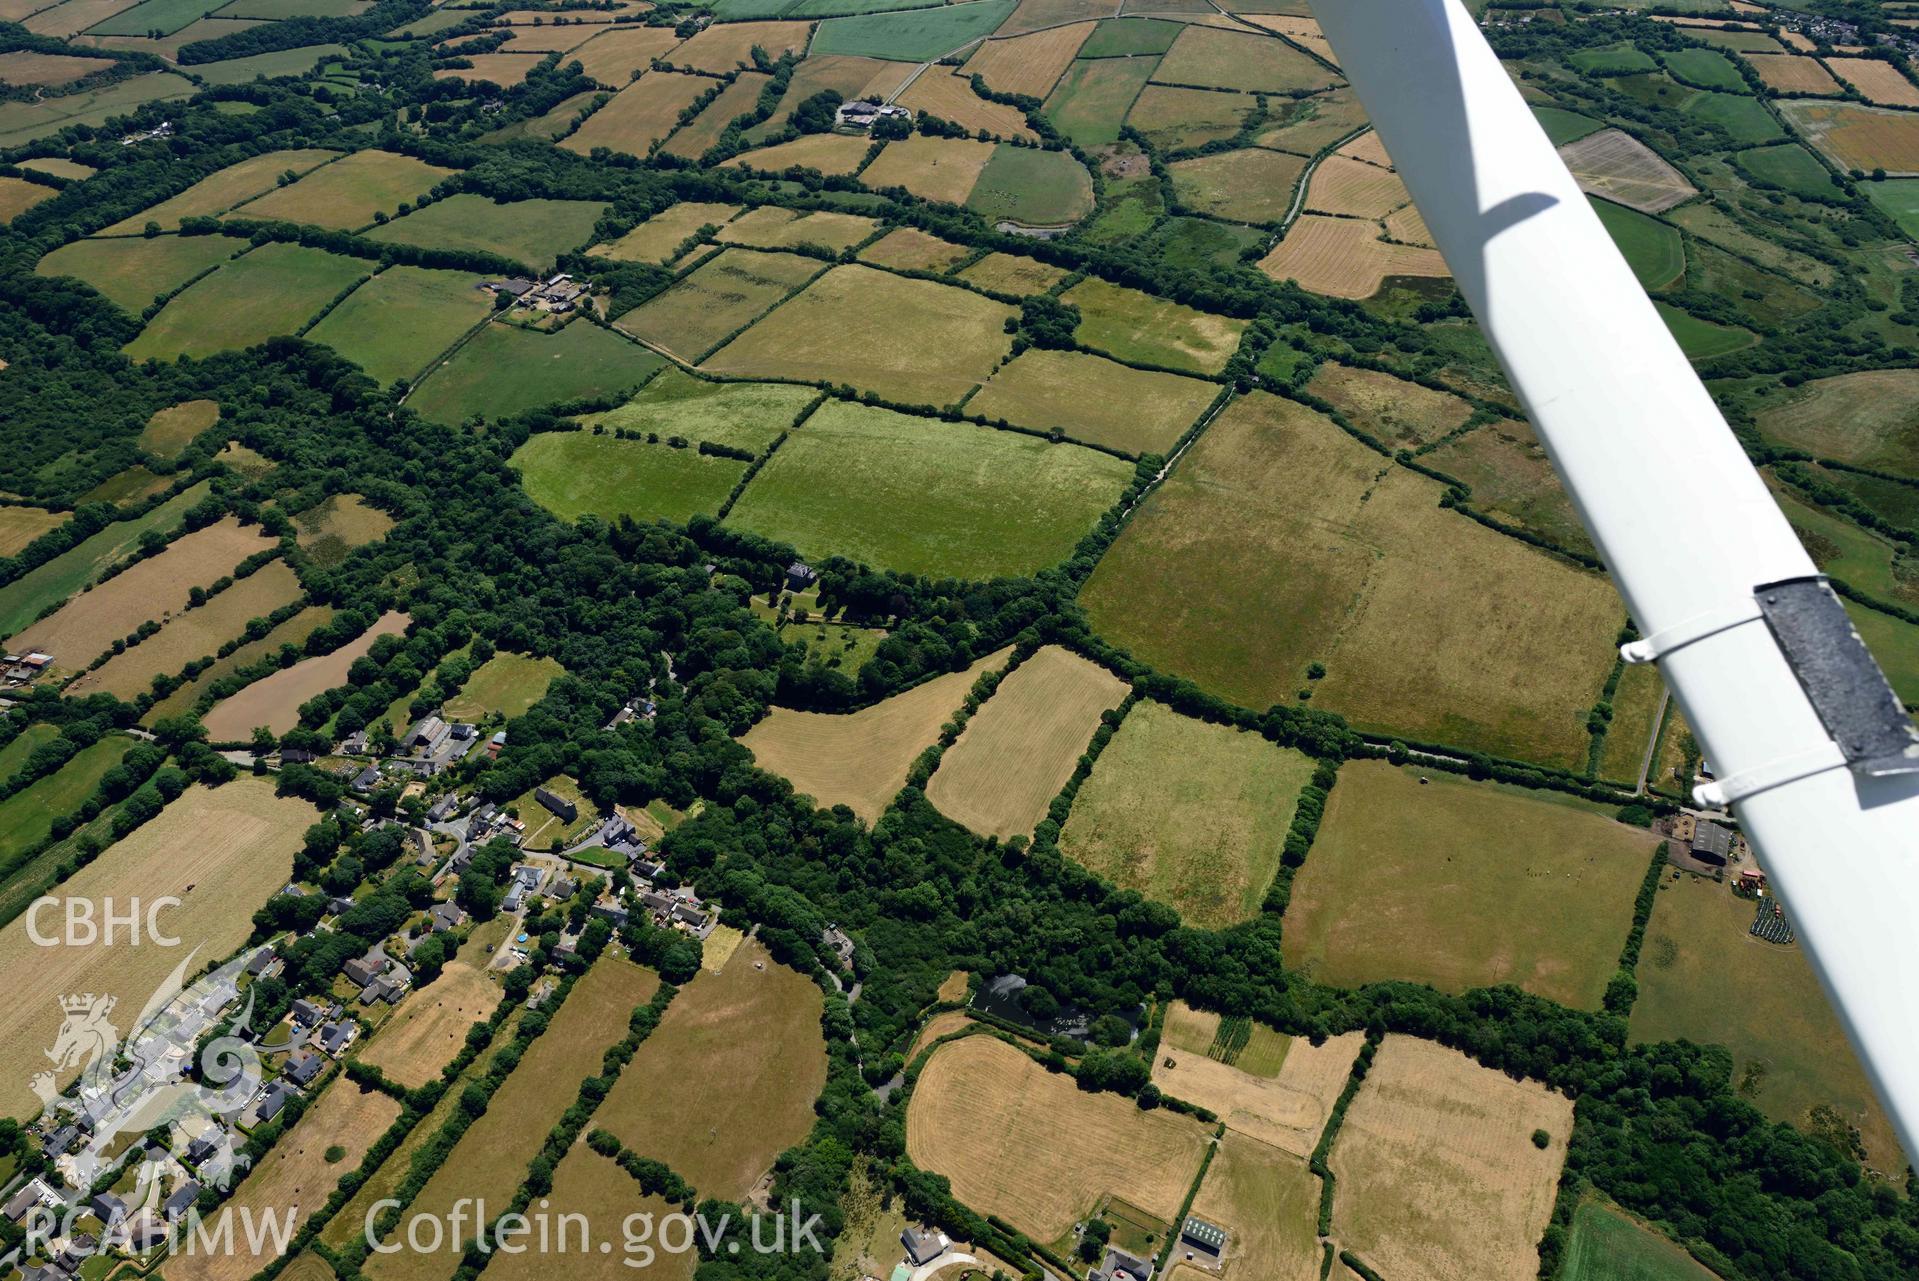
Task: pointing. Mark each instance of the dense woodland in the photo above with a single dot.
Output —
(1660, 1129)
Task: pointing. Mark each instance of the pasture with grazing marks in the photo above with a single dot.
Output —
(1187, 813)
(860, 759)
(295, 1177)
(87, 626)
(1011, 274)
(1616, 165)
(1396, 411)
(1287, 1110)
(1306, 126)
(1462, 884)
(274, 700)
(1248, 185)
(658, 239)
(1020, 748)
(1704, 977)
(846, 327)
(431, 1026)
(919, 495)
(1345, 258)
(1093, 399)
(221, 851)
(639, 115)
(133, 271)
(1172, 117)
(1090, 102)
(349, 192)
(715, 1105)
(396, 323)
(1280, 540)
(1136, 326)
(588, 1184)
(917, 35)
(1510, 476)
(715, 298)
(1032, 187)
(506, 369)
(489, 1162)
(268, 292)
(1436, 1171)
(1033, 1148)
(195, 633)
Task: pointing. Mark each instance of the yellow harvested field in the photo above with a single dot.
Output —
(1268, 1202)
(1436, 1172)
(1793, 73)
(295, 1178)
(726, 45)
(910, 249)
(833, 154)
(17, 195)
(1012, 274)
(658, 239)
(1408, 228)
(504, 70)
(1287, 1111)
(1855, 136)
(860, 759)
(1021, 747)
(1303, 32)
(771, 227)
(1030, 64)
(546, 39)
(953, 987)
(1094, 400)
(1369, 148)
(931, 168)
(1882, 83)
(20, 525)
(86, 626)
(431, 1026)
(700, 134)
(274, 701)
(25, 67)
(1392, 409)
(195, 633)
(640, 115)
(726, 1082)
(172, 429)
(942, 1024)
(588, 1184)
(1342, 185)
(1345, 258)
(948, 94)
(221, 851)
(611, 57)
(1031, 1147)
(1614, 164)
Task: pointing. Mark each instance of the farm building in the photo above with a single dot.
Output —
(1711, 843)
(1208, 1239)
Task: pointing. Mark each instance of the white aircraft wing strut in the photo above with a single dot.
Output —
(1802, 732)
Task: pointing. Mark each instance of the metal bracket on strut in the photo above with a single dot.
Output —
(1651, 648)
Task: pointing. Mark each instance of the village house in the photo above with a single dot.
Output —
(302, 1067)
(445, 916)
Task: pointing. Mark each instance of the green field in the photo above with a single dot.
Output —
(1655, 252)
(576, 473)
(1130, 37)
(505, 370)
(1432, 877)
(1847, 551)
(919, 35)
(162, 16)
(1741, 115)
(717, 297)
(1093, 400)
(1635, 703)
(26, 817)
(504, 686)
(1703, 977)
(1898, 199)
(396, 323)
(132, 271)
(1605, 1245)
(1139, 327)
(280, 62)
(1032, 187)
(23, 121)
(1198, 244)
(531, 232)
(271, 291)
(1563, 126)
(1619, 59)
(1706, 68)
(22, 600)
(741, 415)
(1702, 339)
(923, 496)
(1895, 643)
(1091, 100)
(1171, 117)
(1187, 813)
(224, 188)
(21, 746)
(1788, 165)
(1250, 184)
(348, 193)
